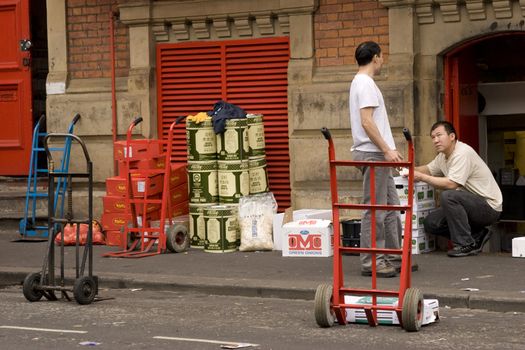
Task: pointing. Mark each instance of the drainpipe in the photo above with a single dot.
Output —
(113, 16)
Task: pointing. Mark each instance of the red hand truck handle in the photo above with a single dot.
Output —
(326, 133)
(407, 134)
(136, 121)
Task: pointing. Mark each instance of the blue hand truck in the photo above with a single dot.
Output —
(29, 228)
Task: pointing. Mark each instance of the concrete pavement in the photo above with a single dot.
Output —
(487, 281)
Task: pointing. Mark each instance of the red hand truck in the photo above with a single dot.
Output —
(329, 299)
(141, 236)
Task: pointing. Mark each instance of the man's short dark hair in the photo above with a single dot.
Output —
(366, 51)
(449, 128)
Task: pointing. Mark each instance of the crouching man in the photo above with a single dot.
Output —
(470, 199)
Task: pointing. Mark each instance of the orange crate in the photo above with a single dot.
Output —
(178, 175)
(179, 194)
(114, 238)
(114, 204)
(116, 185)
(180, 209)
(152, 184)
(138, 149)
(114, 221)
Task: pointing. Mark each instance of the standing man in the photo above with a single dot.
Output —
(471, 199)
(373, 141)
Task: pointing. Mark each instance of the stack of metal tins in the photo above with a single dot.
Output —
(223, 168)
(257, 155)
(202, 176)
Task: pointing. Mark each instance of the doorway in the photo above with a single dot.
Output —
(484, 89)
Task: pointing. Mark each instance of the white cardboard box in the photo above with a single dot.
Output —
(430, 312)
(312, 238)
(278, 231)
(423, 244)
(303, 214)
(417, 218)
(518, 247)
(422, 190)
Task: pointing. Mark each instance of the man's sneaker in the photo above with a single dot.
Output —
(482, 239)
(397, 266)
(459, 251)
(382, 271)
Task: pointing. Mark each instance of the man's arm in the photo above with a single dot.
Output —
(370, 127)
(422, 173)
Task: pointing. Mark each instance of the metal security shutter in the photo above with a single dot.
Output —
(249, 73)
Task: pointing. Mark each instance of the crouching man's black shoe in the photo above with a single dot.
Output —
(482, 239)
(459, 251)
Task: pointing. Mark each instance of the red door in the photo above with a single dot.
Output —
(461, 107)
(15, 89)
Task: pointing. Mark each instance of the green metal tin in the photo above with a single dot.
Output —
(233, 143)
(234, 181)
(197, 226)
(202, 179)
(222, 227)
(256, 135)
(258, 175)
(201, 141)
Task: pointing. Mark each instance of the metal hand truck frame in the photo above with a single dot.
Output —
(44, 283)
(329, 299)
(28, 227)
(141, 237)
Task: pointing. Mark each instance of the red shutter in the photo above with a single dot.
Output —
(251, 74)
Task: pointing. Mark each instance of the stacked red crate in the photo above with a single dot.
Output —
(146, 165)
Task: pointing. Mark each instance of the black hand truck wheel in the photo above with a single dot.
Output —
(177, 238)
(85, 290)
(30, 287)
(324, 315)
(413, 310)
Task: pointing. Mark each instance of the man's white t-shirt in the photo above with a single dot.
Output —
(365, 93)
(466, 168)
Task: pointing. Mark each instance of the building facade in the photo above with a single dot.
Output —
(437, 55)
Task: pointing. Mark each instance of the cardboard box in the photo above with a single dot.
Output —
(418, 218)
(430, 311)
(423, 244)
(305, 214)
(278, 231)
(290, 215)
(422, 190)
(312, 237)
(518, 247)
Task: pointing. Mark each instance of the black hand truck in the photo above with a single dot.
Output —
(44, 283)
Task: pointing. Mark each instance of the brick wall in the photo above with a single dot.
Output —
(341, 25)
(89, 42)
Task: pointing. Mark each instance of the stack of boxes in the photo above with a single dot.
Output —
(424, 202)
(146, 169)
